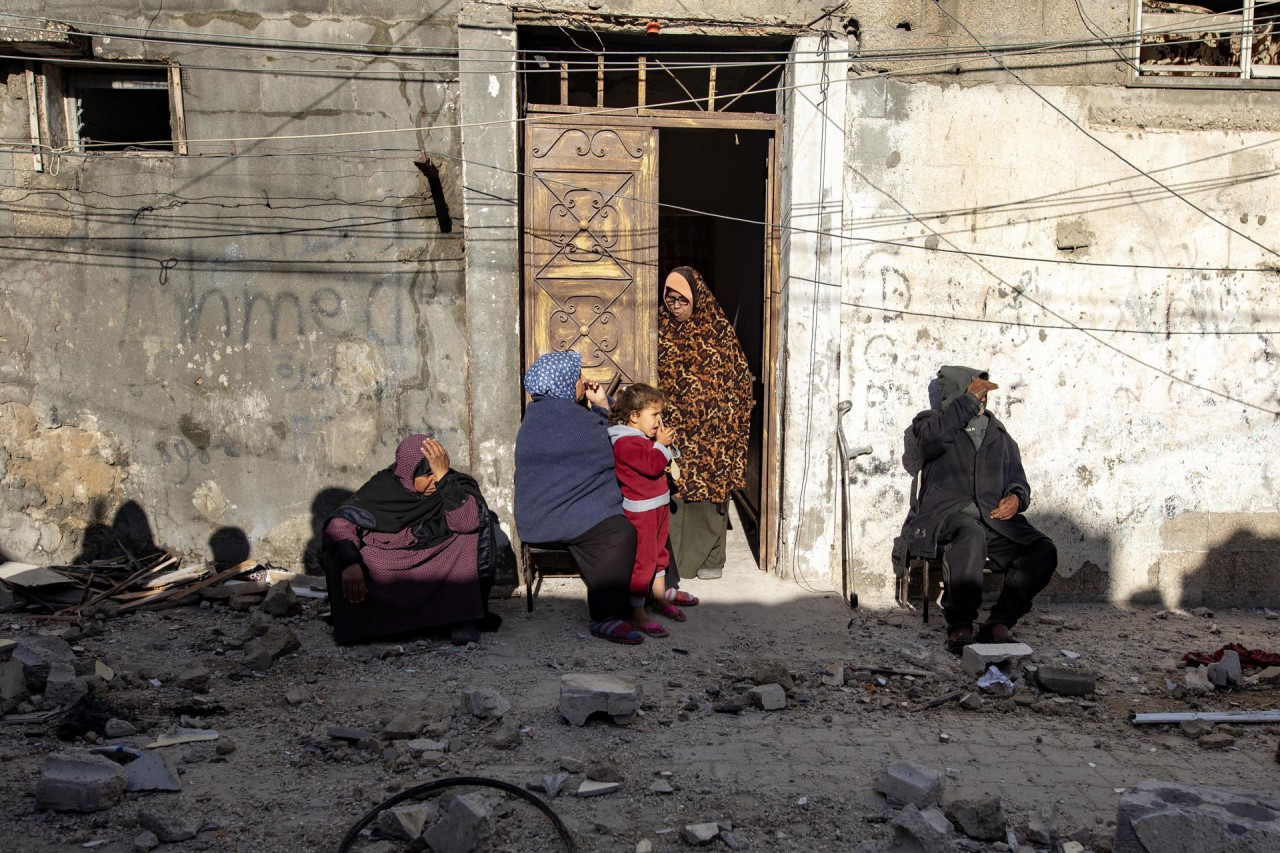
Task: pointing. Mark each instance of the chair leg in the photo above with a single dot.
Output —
(927, 589)
(526, 559)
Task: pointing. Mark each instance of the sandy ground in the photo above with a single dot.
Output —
(793, 779)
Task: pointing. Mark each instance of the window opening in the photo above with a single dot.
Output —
(1213, 42)
(120, 110)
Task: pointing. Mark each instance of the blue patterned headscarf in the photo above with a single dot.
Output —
(555, 375)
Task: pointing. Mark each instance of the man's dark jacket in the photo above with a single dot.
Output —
(956, 474)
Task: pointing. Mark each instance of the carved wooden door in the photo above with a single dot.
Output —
(591, 245)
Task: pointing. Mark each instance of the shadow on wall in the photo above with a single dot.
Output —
(128, 535)
(1242, 571)
(229, 547)
(322, 506)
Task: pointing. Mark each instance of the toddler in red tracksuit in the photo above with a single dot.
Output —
(642, 453)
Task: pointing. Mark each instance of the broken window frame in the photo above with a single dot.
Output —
(54, 108)
(1245, 73)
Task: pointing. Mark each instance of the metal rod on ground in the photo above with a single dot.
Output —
(1205, 716)
(941, 700)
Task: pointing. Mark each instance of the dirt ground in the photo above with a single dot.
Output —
(793, 779)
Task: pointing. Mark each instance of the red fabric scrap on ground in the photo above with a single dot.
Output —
(1248, 657)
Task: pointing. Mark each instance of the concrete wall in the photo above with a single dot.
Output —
(313, 314)
(1155, 489)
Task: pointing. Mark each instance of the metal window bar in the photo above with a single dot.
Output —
(1188, 24)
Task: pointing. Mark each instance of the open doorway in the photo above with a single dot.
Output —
(723, 175)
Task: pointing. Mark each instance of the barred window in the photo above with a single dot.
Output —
(1211, 43)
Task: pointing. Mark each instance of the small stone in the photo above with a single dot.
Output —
(406, 822)
(296, 696)
(506, 736)
(1219, 740)
(644, 845)
(1070, 655)
(225, 746)
(1049, 619)
(904, 782)
(1070, 847)
(1195, 729)
(1166, 816)
(661, 786)
(553, 783)
(485, 703)
(769, 697)
(259, 623)
(79, 782)
(604, 773)
(339, 733)
(145, 841)
(944, 738)
(1226, 672)
(833, 675)
(732, 841)
(36, 654)
(927, 831)
(572, 765)
(281, 600)
(700, 834)
(583, 695)
(153, 771)
(116, 727)
(595, 789)
(1202, 612)
(169, 825)
(63, 686)
(971, 701)
(404, 726)
(982, 819)
(277, 642)
(456, 831)
(1042, 825)
(772, 672)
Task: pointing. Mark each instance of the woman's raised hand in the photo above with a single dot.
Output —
(596, 395)
(437, 457)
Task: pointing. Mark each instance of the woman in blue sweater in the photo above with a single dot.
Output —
(567, 492)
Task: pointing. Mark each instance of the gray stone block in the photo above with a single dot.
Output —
(277, 642)
(700, 834)
(485, 703)
(404, 726)
(904, 782)
(405, 823)
(926, 831)
(770, 697)
(982, 819)
(1065, 681)
(13, 683)
(1226, 672)
(63, 686)
(457, 830)
(169, 825)
(584, 694)
(281, 600)
(1169, 817)
(1004, 656)
(37, 654)
(79, 782)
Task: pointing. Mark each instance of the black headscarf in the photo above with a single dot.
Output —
(388, 503)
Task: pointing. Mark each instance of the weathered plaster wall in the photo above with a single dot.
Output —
(1154, 489)
(313, 312)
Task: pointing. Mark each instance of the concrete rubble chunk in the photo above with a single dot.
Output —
(457, 829)
(152, 771)
(79, 782)
(1217, 740)
(1042, 825)
(553, 783)
(904, 782)
(1071, 847)
(1171, 817)
(406, 822)
(13, 683)
(63, 686)
(661, 786)
(417, 746)
(772, 672)
(700, 834)
(1195, 729)
(193, 678)
(281, 600)
(169, 824)
(971, 701)
(37, 653)
(1226, 672)
(982, 819)
(1005, 656)
(644, 845)
(833, 675)
(404, 726)
(6, 649)
(585, 694)
(506, 735)
(485, 703)
(591, 788)
(769, 697)
(145, 841)
(277, 642)
(922, 831)
(1065, 681)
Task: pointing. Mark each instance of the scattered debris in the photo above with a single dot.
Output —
(583, 695)
(1227, 671)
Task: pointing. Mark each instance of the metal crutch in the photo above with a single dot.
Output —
(846, 477)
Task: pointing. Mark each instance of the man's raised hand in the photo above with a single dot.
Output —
(979, 387)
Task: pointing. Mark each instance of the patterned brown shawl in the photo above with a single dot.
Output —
(703, 372)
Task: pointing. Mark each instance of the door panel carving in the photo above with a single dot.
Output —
(591, 228)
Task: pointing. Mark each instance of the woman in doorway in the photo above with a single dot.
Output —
(704, 373)
(567, 490)
(410, 550)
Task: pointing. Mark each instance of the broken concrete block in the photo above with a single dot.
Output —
(456, 831)
(1170, 817)
(277, 642)
(295, 696)
(145, 841)
(772, 672)
(1065, 681)
(13, 683)
(981, 819)
(281, 600)
(153, 771)
(592, 788)
(770, 697)
(6, 646)
(419, 745)
(833, 675)
(1218, 740)
(405, 823)
(506, 735)
(1197, 680)
(1195, 729)
(63, 686)
(79, 782)
(1005, 656)
(904, 782)
(36, 654)
(485, 703)
(1070, 847)
(553, 783)
(585, 694)
(926, 831)
(1226, 672)
(193, 678)
(404, 726)
(971, 701)
(662, 786)
(169, 824)
(700, 834)
(1042, 825)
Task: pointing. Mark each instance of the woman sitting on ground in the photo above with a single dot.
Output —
(567, 492)
(411, 550)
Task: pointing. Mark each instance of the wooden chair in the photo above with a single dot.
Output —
(926, 566)
(536, 560)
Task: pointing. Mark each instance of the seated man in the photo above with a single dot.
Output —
(972, 494)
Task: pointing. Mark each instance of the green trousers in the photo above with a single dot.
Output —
(698, 532)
